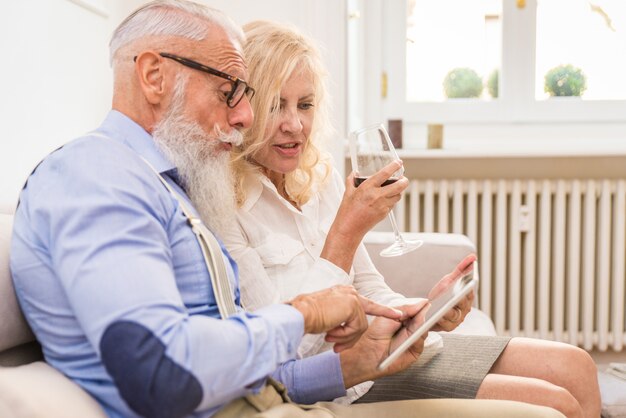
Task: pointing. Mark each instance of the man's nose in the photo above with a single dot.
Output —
(241, 116)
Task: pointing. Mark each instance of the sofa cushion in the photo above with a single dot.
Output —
(613, 391)
(14, 330)
(37, 390)
(415, 273)
(22, 354)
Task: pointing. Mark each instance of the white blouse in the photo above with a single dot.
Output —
(277, 249)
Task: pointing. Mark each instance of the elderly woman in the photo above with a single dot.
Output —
(299, 229)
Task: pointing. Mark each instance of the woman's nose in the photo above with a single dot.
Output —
(291, 121)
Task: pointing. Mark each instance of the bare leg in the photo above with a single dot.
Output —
(557, 364)
(529, 390)
(436, 408)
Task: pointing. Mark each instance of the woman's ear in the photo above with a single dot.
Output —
(151, 75)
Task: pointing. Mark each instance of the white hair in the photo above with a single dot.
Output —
(181, 18)
(203, 165)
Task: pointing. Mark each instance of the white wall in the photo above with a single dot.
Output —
(57, 81)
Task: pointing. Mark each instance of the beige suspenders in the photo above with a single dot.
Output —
(212, 253)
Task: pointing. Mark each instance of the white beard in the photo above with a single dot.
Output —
(203, 165)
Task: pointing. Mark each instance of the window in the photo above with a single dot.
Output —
(518, 42)
(587, 39)
(449, 54)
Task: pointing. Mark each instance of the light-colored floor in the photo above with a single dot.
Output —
(602, 359)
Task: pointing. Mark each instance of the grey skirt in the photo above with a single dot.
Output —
(456, 372)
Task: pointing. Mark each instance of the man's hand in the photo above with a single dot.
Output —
(457, 314)
(340, 312)
(360, 363)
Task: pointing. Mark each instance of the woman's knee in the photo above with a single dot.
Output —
(533, 358)
(578, 372)
(579, 360)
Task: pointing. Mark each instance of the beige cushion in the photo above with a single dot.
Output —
(13, 328)
(413, 274)
(37, 390)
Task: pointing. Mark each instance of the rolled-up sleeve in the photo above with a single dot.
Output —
(313, 379)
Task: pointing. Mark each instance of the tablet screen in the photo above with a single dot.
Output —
(446, 298)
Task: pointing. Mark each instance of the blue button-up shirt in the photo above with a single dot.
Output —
(113, 283)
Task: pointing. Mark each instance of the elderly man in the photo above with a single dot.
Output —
(124, 286)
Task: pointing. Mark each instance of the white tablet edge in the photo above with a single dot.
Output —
(429, 323)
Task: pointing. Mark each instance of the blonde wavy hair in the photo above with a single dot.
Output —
(273, 51)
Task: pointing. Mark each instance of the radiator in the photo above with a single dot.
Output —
(552, 253)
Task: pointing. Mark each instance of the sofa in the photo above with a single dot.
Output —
(31, 388)
(28, 386)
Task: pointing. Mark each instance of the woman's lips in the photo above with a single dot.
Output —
(288, 149)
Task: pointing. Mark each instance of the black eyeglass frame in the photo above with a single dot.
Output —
(231, 100)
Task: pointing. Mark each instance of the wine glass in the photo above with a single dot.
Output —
(371, 150)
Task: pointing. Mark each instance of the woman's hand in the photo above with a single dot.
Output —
(361, 208)
(457, 314)
(364, 206)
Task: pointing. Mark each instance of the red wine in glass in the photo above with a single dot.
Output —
(371, 150)
(359, 180)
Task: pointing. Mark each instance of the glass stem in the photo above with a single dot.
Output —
(394, 226)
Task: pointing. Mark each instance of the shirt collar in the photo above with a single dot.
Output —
(254, 185)
(118, 126)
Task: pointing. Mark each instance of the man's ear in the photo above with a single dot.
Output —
(151, 75)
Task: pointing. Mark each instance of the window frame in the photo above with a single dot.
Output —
(516, 102)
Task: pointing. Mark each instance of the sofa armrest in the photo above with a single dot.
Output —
(14, 331)
(414, 274)
(37, 390)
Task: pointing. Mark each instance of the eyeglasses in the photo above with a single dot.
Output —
(239, 87)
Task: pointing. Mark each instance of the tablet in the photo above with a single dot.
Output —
(440, 305)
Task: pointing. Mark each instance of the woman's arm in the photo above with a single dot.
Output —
(366, 278)
(370, 283)
(359, 210)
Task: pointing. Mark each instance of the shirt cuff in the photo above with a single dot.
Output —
(318, 378)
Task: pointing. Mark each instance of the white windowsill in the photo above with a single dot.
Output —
(498, 152)
(521, 139)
